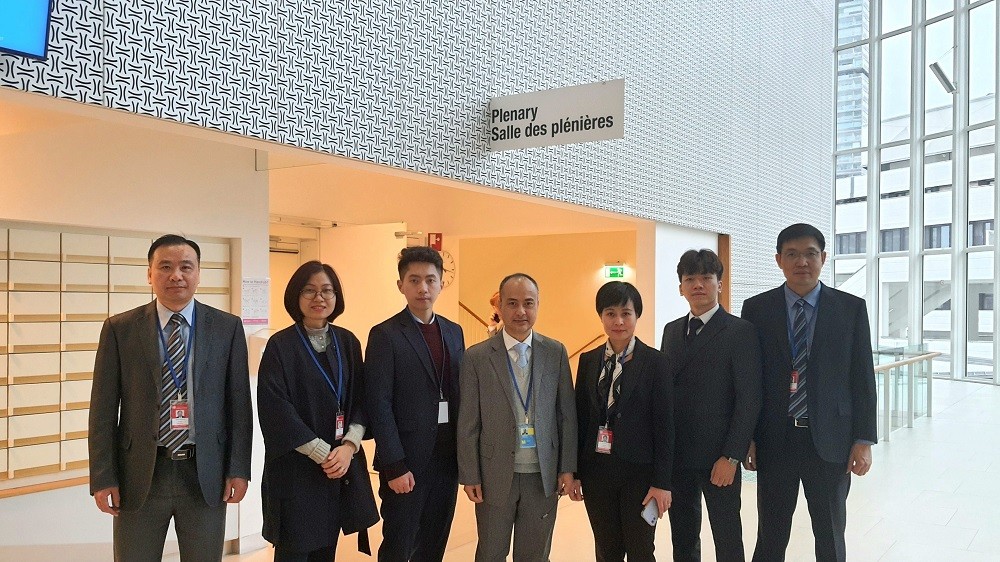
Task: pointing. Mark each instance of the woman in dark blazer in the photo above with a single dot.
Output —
(626, 434)
(310, 400)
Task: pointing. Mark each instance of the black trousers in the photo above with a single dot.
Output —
(415, 526)
(325, 554)
(723, 514)
(613, 491)
(825, 484)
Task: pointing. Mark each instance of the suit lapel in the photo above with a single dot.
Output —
(498, 360)
(631, 370)
(825, 329)
(150, 351)
(692, 349)
(591, 376)
(412, 334)
(780, 326)
(202, 332)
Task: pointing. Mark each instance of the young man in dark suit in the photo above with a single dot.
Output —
(170, 417)
(715, 359)
(411, 369)
(818, 421)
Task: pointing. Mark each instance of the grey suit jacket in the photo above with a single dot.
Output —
(487, 430)
(124, 403)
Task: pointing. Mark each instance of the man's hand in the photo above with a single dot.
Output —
(861, 459)
(723, 472)
(474, 492)
(107, 500)
(750, 463)
(662, 497)
(564, 485)
(235, 489)
(338, 461)
(576, 491)
(402, 485)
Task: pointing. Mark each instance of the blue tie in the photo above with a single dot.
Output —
(522, 354)
(797, 406)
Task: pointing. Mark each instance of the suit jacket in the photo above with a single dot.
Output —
(841, 377)
(402, 390)
(642, 420)
(487, 430)
(127, 375)
(716, 388)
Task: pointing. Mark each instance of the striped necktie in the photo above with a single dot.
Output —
(797, 406)
(175, 356)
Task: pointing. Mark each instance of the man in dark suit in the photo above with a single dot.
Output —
(716, 364)
(818, 421)
(170, 415)
(412, 366)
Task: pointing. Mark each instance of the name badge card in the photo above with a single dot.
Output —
(794, 384)
(340, 426)
(443, 411)
(526, 435)
(180, 415)
(604, 439)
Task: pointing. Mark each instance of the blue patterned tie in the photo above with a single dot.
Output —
(797, 406)
(522, 354)
(175, 355)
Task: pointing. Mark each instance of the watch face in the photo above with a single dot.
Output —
(448, 277)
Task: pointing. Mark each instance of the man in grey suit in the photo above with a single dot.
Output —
(170, 415)
(516, 430)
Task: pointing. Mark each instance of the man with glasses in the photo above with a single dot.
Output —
(818, 421)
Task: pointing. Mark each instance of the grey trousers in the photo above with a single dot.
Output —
(528, 512)
(139, 534)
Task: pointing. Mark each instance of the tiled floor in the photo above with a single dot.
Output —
(933, 494)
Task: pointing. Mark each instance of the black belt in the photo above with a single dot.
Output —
(185, 452)
(798, 422)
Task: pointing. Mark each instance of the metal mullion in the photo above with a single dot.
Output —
(960, 191)
(937, 135)
(996, 201)
(915, 334)
(874, 156)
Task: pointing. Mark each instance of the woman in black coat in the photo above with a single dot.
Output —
(310, 400)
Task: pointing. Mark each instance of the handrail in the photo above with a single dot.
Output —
(910, 364)
(588, 344)
(905, 362)
(474, 315)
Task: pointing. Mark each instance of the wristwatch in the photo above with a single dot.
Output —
(733, 461)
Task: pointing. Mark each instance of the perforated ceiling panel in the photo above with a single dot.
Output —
(728, 120)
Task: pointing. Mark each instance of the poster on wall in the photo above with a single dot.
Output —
(256, 301)
(575, 114)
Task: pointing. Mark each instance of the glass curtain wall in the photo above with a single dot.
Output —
(916, 94)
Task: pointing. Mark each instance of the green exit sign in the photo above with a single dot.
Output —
(614, 272)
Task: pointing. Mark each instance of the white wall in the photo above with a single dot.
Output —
(671, 242)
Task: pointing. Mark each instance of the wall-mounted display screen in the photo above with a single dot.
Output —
(24, 27)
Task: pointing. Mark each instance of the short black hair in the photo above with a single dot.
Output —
(618, 293)
(419, 254)
(300, 279)
(699, 262)
(513, 276)
(172, 240)
(801, 230)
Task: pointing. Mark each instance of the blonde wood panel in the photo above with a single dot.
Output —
(129, 279)
(33, 307)
(42, 245)
(3, 404)
(3, 272)
(128, 250)
(3, 245)
(33, 459)
(222, 302)
(214, 281)
(40, 398)
(25, 368)
(84, 248)
(3, 345)
(85, 277)
(3, 464)
(214, 255)
(33, 429)
(3, 432)
(80, 336)
(73, 423)
(76, 395)
(85, 307)
(33, 275)
(33, 337)
(78, 365)
(74, 452)
(3, 310)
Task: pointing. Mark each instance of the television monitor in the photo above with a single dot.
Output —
(24, 27)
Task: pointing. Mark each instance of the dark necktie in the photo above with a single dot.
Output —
(175, 356)
(797, 406)
(694, 325)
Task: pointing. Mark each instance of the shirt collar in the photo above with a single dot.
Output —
(705, 317)
(164, 313)
(419, 321)
(812, 297)
(509, 341)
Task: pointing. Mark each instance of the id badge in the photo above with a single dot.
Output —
(443, 411)
(180, 415)
(604, 439)
(340, 426)
(794, 384)
(526, 435)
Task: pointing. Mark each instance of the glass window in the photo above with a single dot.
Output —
(938, 7)
(937, 311)
(938, 193)
(982, 63)
(851, 215)
(851, 243)
(852, 98)
(982, 187)
(852, 20)
(849, 276)
(895, 81)
(894, 201)
(893, 282)
(939, 49)
(896, 14)
(979, 321)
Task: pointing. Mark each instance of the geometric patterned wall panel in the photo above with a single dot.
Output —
(727, 124)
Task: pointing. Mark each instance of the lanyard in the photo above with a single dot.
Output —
(179, 380)
(339, 389)
(444, 356)
(531, 380)
(609, 372)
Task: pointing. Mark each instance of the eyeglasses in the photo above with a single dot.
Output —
(811, 255)
(310, 294)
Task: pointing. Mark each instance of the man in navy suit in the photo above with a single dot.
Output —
(411, 368)
(818, 421)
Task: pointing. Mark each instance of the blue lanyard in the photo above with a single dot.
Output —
(179, 380)
(339, 389)
(531, 379)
